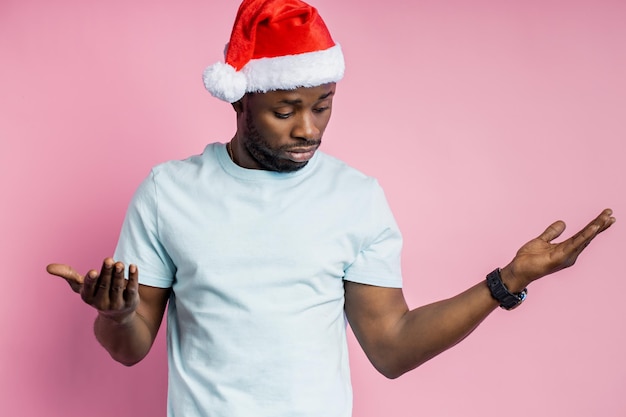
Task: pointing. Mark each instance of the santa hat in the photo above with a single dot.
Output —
(275, 45)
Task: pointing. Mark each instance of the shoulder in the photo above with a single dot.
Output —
(176, 175)
(343, 173)
(190, 170)
(191, 163)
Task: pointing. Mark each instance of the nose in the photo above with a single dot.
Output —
(306, 127)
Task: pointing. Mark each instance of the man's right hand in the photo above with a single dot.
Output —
(108, 291)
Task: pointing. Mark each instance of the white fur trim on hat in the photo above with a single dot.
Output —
(224, 82)
(292, 71)
(280, 73)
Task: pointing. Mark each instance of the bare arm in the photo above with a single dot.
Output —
(397, 339)
(129, 314)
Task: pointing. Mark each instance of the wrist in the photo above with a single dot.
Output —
(511, 281)
(507, 299)
(117, 318)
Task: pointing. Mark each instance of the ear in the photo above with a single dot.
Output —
(238, 107)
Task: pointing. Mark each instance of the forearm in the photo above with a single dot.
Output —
(127, 342)
(426, 331)
(397, 339)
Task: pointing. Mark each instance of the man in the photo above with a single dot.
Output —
(260, 247)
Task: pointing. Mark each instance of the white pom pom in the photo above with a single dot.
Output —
(224, 82)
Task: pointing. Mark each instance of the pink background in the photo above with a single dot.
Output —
(484, 122)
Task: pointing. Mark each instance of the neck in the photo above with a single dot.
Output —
(230, 147)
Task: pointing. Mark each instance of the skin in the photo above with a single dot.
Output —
(129, 314)
(279, 131)
(275, 129)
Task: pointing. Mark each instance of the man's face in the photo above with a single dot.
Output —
(281, 130)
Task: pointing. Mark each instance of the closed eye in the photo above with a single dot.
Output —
(283, 115)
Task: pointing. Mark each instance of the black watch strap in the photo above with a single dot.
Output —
(500, 292)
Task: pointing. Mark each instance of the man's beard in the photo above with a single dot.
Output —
(267, 157)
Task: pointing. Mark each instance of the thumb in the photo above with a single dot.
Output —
(67, 273)
(553, 231)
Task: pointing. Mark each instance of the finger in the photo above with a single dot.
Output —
(116, 293)
(607, 215)
(132, 287)
(73, 278)
(101, 290)
(63, 271)
(583, 238)
(89, 288)
(553, 231)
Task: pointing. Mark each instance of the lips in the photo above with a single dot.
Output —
(300, 154)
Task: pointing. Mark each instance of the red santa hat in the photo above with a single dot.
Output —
(275, 45)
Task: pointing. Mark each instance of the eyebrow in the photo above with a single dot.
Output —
(299, 101)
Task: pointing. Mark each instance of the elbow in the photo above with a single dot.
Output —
(391, 373)
(125, 360)
(128, 363)
(393, 361)
(392, 368)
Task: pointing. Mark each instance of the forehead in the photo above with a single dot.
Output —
(301, 95)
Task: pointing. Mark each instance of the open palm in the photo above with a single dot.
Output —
(540, 257)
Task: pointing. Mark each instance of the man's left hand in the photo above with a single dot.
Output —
(541, 257)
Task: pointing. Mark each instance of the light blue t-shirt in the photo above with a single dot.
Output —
(256, 261)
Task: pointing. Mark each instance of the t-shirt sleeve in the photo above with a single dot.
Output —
(378, 261)
(139, 241)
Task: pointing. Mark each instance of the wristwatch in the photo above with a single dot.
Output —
(500, 292)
